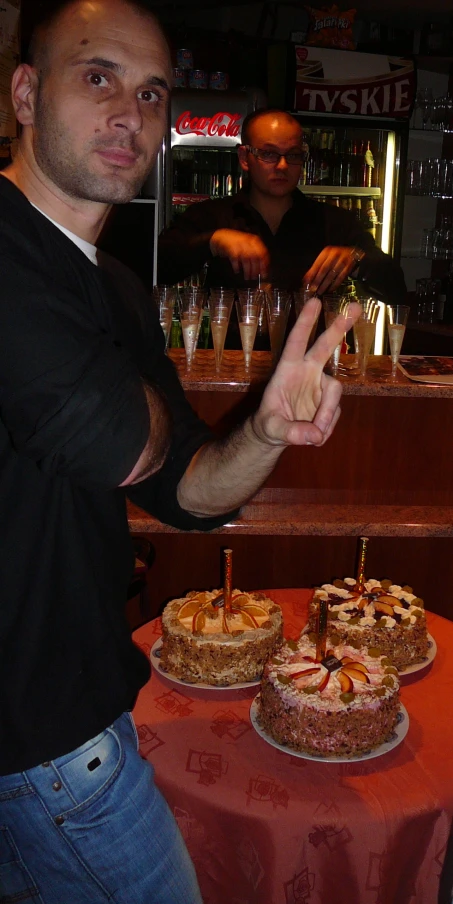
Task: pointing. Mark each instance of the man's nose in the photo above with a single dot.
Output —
(282, 164)
(127, 114)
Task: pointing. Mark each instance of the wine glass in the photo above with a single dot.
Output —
(300, 299)
(424, 100)
(164, 297)
(278, 303)
(364, 333)
(220, 305)
(190, 312)
(332, 306)
(397, 316)
(248, 306)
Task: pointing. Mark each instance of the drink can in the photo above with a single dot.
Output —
(219, 81)
(184, 58)
(179, 78)
(198, 78)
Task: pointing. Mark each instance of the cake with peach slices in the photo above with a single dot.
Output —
(343, 705)
(204, 643)
(384, 615)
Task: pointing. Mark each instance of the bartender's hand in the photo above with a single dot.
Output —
(331, 267)
(243, 250)
(301, 403)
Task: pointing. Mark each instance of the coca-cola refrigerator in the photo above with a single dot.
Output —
(198, 159)
(355, 110)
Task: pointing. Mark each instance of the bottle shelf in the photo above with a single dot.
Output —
(434, 197)
(431, 131)
(340, 191)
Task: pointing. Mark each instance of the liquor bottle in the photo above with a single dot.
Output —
(313, 160)
(355, 163)
(367, 166)
(337, 165)
(378, 170)
(358, 210)
(371, 218)
(347, 172)
(324, 168)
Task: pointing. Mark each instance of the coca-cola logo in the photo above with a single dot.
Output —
(221, 124)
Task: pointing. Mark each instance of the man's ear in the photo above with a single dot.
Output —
(242, 156)
(24, 88)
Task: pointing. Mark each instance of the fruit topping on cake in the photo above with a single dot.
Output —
(205, 613)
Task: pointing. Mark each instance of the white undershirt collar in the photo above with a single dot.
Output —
(87, 248)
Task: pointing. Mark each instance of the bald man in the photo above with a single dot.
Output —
(270, 230)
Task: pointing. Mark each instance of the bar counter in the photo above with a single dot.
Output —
(386, 472)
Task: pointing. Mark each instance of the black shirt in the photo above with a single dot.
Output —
(306, 228)
(76, 342)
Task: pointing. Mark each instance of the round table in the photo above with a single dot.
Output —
(265, 827)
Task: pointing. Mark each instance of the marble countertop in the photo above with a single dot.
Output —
(233, 378)
(288, 516)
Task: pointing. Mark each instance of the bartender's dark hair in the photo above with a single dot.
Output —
(45, 17)
(257, 114)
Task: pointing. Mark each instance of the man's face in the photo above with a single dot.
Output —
(101, 108)
(273, 132)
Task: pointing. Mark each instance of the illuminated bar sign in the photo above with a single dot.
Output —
(219, 124)
(353, 84)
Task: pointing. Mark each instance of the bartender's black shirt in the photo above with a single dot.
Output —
(306, 228)
(76, 342)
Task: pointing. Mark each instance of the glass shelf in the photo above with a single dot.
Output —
(433, 197)
(338, 191)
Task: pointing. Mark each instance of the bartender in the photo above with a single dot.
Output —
(271, 231)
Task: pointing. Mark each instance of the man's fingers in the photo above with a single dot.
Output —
(329, 407)
(327, 342)
(296, 343)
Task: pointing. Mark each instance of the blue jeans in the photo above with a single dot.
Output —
(91, 827)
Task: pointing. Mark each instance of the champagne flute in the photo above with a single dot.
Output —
(190, 312)
(248, 306)
(332, 306)
(300, 299)
(364, 333)
(397, 315)
(220, 305)
(164, 297)
(278, 303)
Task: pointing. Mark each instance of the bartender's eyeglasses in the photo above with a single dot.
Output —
(293, 158)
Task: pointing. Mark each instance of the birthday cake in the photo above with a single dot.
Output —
(341, 705)
(383, 615)
(202, 641)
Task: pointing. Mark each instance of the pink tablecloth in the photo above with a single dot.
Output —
(265, 827)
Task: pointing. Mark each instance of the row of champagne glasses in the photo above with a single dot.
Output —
(277, 304)
(250, 305)
(365, 332)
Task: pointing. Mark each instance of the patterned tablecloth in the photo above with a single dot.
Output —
(265, 827)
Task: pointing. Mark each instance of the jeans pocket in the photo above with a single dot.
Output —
(89, 773)
(16, 882)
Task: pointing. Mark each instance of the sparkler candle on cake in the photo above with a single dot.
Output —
(228, 579)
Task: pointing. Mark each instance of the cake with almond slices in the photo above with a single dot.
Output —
(385, 616)
(203, 643)
(344, 705)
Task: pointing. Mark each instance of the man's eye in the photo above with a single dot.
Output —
(148, 96)
(98, 80)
